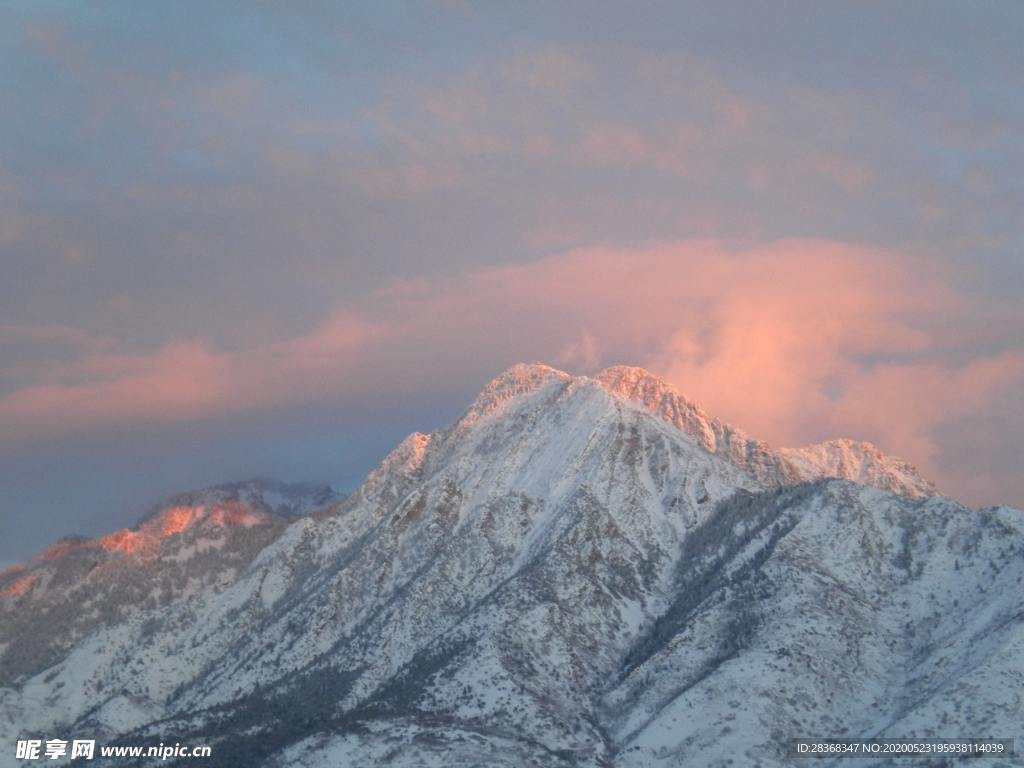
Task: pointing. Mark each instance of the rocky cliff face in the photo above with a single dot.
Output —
(579, 572)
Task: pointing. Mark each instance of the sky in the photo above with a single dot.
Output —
(244, 239)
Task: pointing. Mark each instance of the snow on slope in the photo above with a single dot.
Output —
(579, 572)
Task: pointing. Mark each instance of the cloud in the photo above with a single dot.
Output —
(613, 146)
(903, 404)
(794, 342)
(180, 381)
(551, 70)
(185, 380)
(62, 336)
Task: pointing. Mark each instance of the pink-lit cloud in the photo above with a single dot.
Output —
(794, 342)
(180, 381)
(186, 380)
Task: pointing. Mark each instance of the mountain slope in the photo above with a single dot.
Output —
(580, 571)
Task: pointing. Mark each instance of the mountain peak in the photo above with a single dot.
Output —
(853, 460)
(859, 461)
(173, 520)
(630, 376)
(522, 378)
(404, 461)
(519, 380)
(278, 498)
(244, 504)
(665, 401)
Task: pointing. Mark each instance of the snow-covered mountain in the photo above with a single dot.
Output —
(193, 542)
(579, 572)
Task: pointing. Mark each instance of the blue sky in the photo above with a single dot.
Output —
(250, 238)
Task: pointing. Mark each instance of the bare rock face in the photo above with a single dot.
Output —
(579, 572)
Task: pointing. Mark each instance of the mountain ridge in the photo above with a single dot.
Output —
(566, 577)
(842, 458)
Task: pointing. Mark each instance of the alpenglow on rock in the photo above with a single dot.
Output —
(581, 571)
